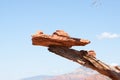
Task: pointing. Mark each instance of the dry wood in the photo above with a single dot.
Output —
(60, 42)
(86, 60)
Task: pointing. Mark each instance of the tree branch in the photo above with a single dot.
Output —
(60, 42)
(86, 60)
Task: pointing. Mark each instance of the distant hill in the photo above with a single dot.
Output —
(38, 78)
(81, 73)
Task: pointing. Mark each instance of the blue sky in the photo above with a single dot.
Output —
(19, 19)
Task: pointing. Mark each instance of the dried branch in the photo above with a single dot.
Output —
(60, 42)
(82, 57)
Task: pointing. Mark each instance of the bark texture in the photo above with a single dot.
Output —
(60, 42)
(82, 57)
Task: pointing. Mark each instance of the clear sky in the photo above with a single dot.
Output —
(19, 19)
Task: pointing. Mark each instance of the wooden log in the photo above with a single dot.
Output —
(60, 42)
(86, 60)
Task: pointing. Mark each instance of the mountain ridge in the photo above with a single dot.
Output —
(82, 73)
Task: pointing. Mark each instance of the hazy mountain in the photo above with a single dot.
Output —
(81, 73)
(38, 78)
